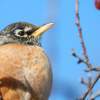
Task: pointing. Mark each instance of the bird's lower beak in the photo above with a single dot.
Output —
(42, 29)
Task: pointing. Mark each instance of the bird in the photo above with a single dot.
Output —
(25, 68)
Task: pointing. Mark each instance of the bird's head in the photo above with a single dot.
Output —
(24, 33)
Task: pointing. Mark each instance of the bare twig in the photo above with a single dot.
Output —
(80, 33)
(85, 82)
(95, 95)
(90, 87)
(81, 60)
(96, 69)
(90, 83)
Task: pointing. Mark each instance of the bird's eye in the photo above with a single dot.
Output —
(19, 32)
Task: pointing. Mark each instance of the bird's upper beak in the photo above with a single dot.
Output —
(42, 29)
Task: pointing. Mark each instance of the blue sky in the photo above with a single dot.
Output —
(59, 41)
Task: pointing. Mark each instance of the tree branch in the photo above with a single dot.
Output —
(81, 34)
(90, 87)
(90, 83)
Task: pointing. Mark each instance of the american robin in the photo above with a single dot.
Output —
(25, 70)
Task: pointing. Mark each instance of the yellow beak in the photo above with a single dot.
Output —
(42, 29)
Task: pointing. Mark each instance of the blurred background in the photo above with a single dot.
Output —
(59, 41)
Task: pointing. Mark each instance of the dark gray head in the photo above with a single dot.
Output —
(22, 32)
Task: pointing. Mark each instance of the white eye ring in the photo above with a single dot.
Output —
(19, 34)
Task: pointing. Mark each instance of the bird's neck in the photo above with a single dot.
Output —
(7, 40)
